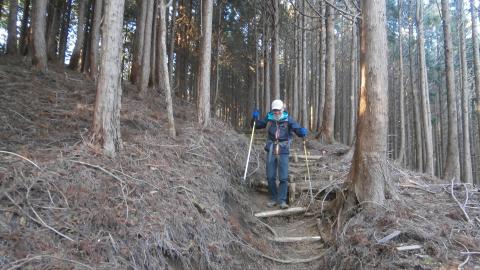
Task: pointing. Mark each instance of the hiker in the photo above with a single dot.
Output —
(280, 127)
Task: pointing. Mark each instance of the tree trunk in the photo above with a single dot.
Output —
(304, 111)
(53, 28)
(163, 77)
(217, 58)
(12, 28)
(452, 165)
(423, 82)
(106, 119)
(24, 33)
(467, 159)
(321, 101)
(173, 34)
(203, 109)
(401, 151)
(275, 50)
(39, 21)
(296, 79)
(62, 47)
(418, 129)
(327, 129)
(353, 87)
(77, 50)
(142, 85)
(476, 63)
(266, 69)
(95, 38)
(139, 42)
(369, 173)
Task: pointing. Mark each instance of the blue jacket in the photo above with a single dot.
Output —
(279, 132)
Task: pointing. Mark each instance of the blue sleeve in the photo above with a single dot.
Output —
(259, 124)
(293, 125)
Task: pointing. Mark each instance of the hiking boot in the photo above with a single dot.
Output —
(271, 204)
(283, 205)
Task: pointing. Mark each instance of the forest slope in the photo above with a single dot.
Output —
(162, 202)
(168, 203)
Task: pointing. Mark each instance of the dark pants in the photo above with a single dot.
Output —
(280, 163)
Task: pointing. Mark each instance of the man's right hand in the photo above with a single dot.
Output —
(255, 114)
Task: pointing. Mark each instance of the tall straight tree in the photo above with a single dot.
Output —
(163, 76)
(423, 83)
(401, 151)
(303, 93)
(203, 105)
(327, 129)
(467, 176)
(321, 68)
(369, 173)
(139, 39)
(95, 38)
(24, 33)
(144, 72)
(12, 28)
(106, 118)
(77, 50)
(39, 25)
(413, 89)
(275, 50)
(353, 79)
(476, 61)
(452, 164)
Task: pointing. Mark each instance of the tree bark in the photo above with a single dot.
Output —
(467, 176)
(203, 109)
(426, 118)
(106, 119)
(418, 130)
(163, 77)
(139, 42)
(173, 34)
(304, 110)
(321, 101)
(53, 29)
(12, 28)
(24, 33)
(95, 38)
(476, 63)
(39, 21)
(369, 173)
(142, 85)
(401, 151)
(77, 50)
(452, 165)
(266, 67)
(353, 87)
(327, 129)
(275, 50)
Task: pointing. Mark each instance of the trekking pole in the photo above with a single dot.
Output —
(308, 171)
(249, 150)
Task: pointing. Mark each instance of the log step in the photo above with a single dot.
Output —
(285, 212)
(296, 239)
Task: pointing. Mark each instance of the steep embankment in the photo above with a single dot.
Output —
(161, 203)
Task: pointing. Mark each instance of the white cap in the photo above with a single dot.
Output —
(277, 105)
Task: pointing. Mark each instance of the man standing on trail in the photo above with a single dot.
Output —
(280, 127)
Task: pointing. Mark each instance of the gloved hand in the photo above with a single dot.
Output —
(255, 114)
(302, 132)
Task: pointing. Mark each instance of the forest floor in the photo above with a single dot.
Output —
(167, 203)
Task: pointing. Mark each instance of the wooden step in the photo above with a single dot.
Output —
(293, 239)
(283, 212)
